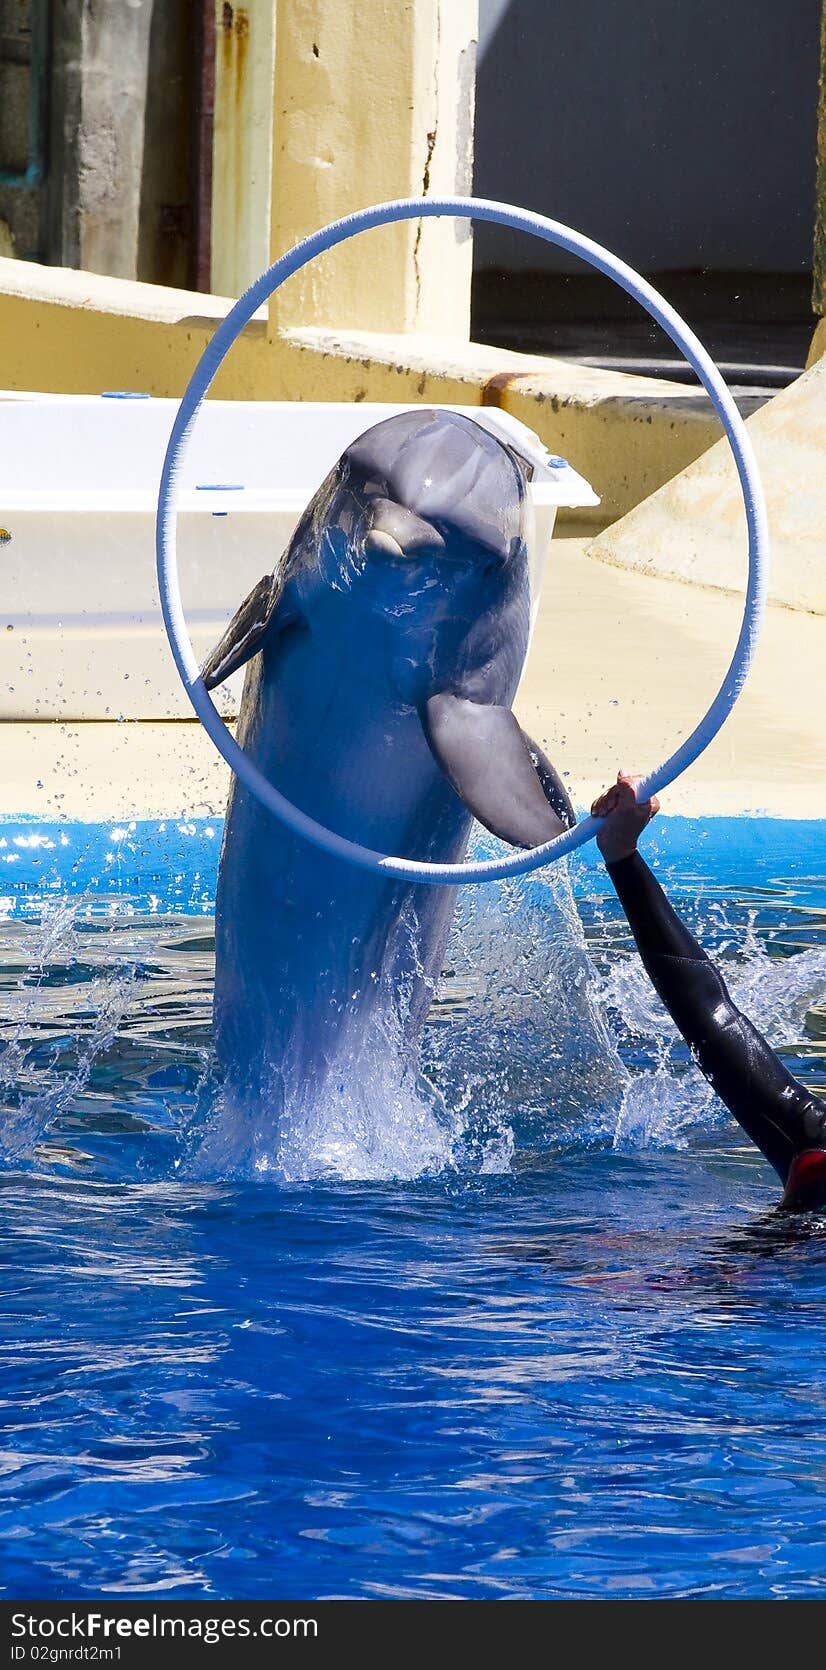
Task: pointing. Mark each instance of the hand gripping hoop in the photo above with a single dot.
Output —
(521, 220)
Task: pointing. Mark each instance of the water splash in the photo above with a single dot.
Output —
(386, 1125)
(515, 1051)
(527, 1036)
(49, 1054)
(667, 1098)
(540, 1036)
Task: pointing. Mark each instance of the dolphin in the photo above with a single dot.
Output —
(384, 652)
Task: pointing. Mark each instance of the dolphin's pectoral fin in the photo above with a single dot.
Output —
(246, 631)
(499, 774)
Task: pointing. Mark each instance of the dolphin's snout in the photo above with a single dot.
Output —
(396, 532)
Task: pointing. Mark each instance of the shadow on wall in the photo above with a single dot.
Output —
(681, 136)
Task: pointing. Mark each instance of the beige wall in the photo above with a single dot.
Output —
(374, 101)
(370, 100)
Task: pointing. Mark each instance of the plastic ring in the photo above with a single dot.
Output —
(521, 220)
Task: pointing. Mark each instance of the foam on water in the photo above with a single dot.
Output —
(387, 1126)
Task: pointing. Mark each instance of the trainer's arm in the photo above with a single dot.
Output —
(775, 1111)
(786, 1123)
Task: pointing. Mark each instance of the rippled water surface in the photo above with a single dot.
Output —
(579, 1355)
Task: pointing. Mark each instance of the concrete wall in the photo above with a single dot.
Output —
(683, 136)
(117, 188)
(115, 49)
(85, 211)
(19, 210)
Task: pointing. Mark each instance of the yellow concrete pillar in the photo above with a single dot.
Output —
(242, 143)
(373, 100)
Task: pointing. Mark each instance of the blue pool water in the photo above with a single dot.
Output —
(579, 1356)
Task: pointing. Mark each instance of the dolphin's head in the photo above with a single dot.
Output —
(427, 522)
(425, 526)
(430, 493)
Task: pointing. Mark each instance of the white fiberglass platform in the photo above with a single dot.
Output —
(78, 486)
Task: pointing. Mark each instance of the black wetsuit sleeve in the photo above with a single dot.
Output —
(774, 1110)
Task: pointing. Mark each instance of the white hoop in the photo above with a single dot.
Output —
(575, 243)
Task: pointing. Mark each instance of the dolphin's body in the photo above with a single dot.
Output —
(384, 654)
